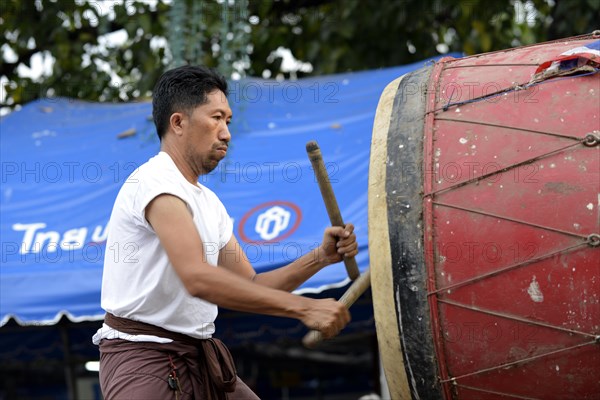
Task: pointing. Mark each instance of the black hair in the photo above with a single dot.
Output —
(181, 90)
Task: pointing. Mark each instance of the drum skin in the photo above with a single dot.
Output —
(484, 229)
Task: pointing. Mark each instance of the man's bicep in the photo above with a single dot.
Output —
(172, 221)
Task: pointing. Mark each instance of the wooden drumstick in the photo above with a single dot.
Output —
(358, 287)
(316, 159)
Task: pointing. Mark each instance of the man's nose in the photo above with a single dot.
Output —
(224, 133)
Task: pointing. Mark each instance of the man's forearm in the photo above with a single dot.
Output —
(294, 274)
(226, 289)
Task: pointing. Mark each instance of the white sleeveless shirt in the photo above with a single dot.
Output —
(139, 281)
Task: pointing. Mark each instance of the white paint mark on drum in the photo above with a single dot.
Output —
(462, 140)
(534, 291)
(590, 206)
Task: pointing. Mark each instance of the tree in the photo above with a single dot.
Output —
(71, 34)
(241, 37)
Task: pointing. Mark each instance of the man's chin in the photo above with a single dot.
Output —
(210, 166)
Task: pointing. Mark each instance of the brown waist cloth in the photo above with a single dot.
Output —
(213, 370)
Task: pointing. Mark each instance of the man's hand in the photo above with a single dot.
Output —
(338, 243)
(326, 316)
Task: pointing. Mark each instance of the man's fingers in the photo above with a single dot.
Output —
(347, 316)
(336, 321)
(349, 254)
(344, 318)
(348, 249)
(349, 228)
(335, 328)
(347, 241)
(337, 231)
(341, 231)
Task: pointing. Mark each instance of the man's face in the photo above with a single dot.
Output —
(207, 133)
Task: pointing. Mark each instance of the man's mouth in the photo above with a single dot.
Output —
(222, 149)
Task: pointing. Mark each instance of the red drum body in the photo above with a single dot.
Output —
(484, 228)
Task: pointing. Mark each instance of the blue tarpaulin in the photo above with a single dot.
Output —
(63, 162)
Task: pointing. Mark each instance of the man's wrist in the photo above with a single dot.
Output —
(320, 257)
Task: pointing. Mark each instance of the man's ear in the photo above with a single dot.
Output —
(176, 122)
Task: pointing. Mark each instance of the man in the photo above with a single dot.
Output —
(163, 278)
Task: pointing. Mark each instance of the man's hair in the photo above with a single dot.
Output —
(181, 90)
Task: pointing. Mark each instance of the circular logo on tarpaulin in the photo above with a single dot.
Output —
(269, 222)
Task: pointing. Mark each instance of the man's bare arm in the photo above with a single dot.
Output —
(337, 243)
(171, 220)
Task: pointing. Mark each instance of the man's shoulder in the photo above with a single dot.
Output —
(156, 169)
(143, 179)
(159, 162)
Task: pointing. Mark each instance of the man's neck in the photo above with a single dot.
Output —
(180, 162)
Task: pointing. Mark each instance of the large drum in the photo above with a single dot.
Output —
(484, 226)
